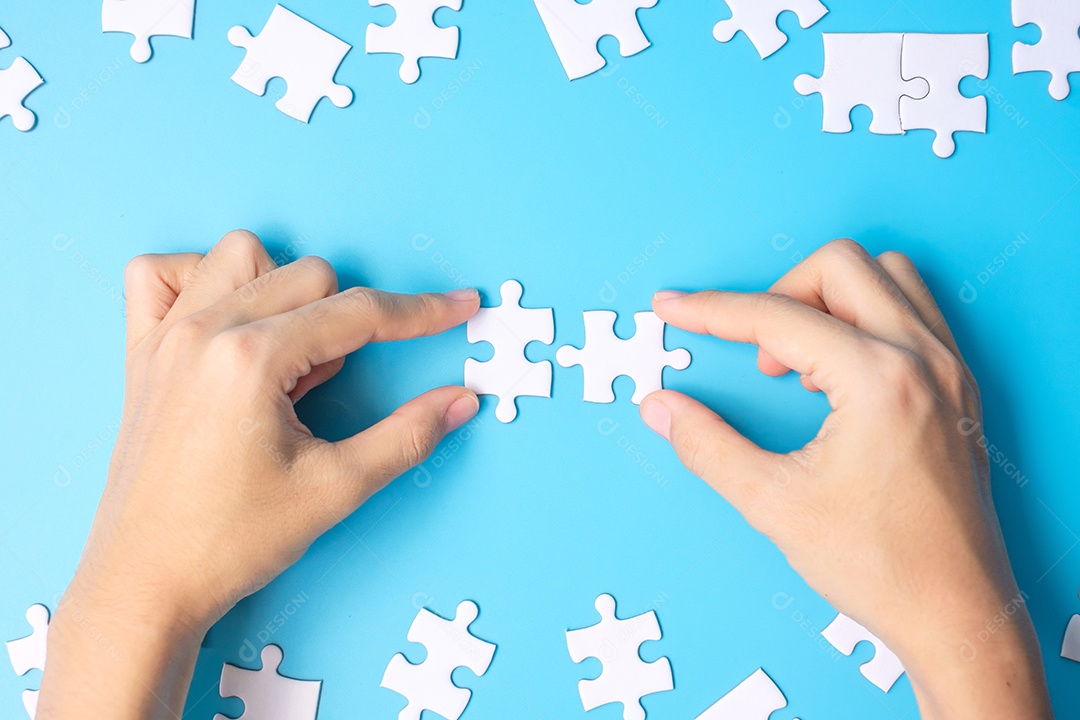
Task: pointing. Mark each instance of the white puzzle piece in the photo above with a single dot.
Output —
(943, 61)
(844, 634)
(1058, 50)
(450, 645)
(1070, 644)
(607, 356)
(413, 34)
(757, 19)
(625, 677)
(28, 653)
(755, 698)
(304, 55)
(30, 701)
(147, 18)
(862, 69)
(509, 374)
(576, 28)
(5, 41)
(16, 83)
(267, 694)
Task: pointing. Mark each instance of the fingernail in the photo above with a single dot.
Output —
(461, 411)
(668, 295)
(463, 294)
(656, 415)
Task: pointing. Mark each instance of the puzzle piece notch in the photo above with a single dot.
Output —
(884, 669)
(1070, 644)
(450, 645)
(755, 698)
(943, 60)
(1058, 49)
(509, 328)
(606, 356)
(413, 34)
(625, 677)
(757, 19)
(862, 69)
(147, 18)
(301, 53)
(266, 693)
(575, 30)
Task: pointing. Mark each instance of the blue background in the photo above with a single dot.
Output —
(711, 172)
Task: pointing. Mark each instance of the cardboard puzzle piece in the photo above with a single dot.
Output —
(16, 83)
(943, 60)
(607, 356)
(413, 34)
(28, 653)
(267, 694)
(576, 28)
(757, 19)
(1058, 50)
(862, 69)
(450, 645)
(304, 55)
(1070, 644)
(755, 698)
(625, 677)
(844, 634)
(147, 18)
(509, 374)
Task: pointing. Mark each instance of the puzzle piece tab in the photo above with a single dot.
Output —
(301, 53)
(1058, 50)
(509, 374)
(28, 653)
(625, 677)
(576, 28)
(606, 356)
(413, 34)
(944, 60)
(147, 18)
(755, 698)
(267, 694)
(844, 634)
(450, 645)
(757, 19)
(862, 69)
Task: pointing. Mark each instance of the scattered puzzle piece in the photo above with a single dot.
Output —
(943, 61)
(509, 374)
(16, 83)
(1070, 644)
(301, 53)
(755, 698)
(267, 694)
(844, 634)
(413, 34)
(606, 356)
(28, 653)
(757, 19)
(147, 18)
(625, 677)
(862, 69)
(1058, 50)
(5, 41)
(575, 29)
(450, 645)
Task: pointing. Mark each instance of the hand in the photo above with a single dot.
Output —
(215, 486)
(887, 512)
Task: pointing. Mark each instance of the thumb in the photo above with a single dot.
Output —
(735, 467)
(364, 463)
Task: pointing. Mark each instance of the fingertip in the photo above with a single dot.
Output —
(461, 410)
(769, 365)
(656, 414)
(464, 295)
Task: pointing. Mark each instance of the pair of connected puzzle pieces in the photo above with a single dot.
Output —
(1058, 49)
(28, 653)
(757, 20)
(509, 328)
(16, 83)
(910, 81)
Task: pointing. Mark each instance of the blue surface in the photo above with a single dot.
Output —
(693, 164)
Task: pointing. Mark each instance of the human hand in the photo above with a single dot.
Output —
(887, 512)
(215, 486)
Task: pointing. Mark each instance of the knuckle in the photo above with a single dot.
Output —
(243, 244)
(772, 303)
(321, 272)
(694, 450)
(239, 348)
(894, 260)
(141, 269)
(906, 381)
(844, 249)
(418, 441)
(185, 333)
(364, 302)
(950, 374)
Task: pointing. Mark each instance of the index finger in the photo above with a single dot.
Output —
(802, 338)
